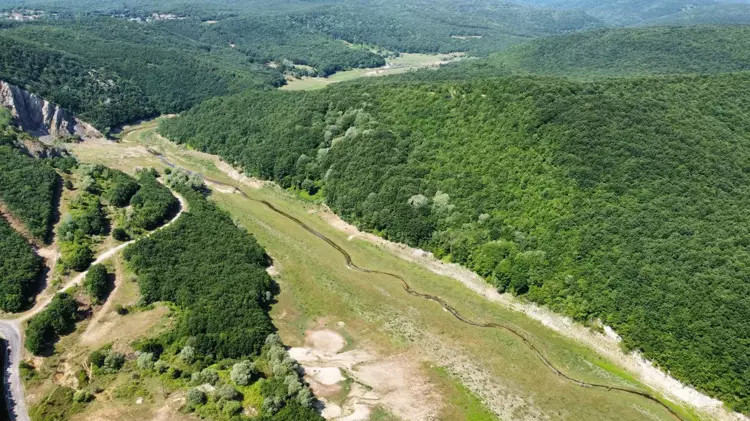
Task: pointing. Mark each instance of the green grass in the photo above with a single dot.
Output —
(465, 403)
(396, 65)
(317, 289)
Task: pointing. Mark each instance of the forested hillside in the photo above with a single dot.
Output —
(201, 260)
(27, 186)
(97, 96)
(478, 27)
(172, 72)
(622, 199)
(632, 51)
(20, 268)
(640, 12)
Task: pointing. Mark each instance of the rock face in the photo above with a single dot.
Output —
(39, 117)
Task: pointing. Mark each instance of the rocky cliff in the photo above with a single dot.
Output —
(40, 117)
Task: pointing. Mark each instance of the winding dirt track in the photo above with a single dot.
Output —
(10, 329)
(515, 331)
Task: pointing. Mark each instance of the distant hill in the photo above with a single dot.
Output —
(621, 52)
(642, 12)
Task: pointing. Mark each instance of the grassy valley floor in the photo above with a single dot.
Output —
(374, 351)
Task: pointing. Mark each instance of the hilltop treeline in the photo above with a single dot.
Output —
(622, 199)
(632, 51)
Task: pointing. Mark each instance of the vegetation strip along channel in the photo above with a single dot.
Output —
(513, 330)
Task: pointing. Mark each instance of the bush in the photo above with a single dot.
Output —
(77, 256)
(232, 408)
(82, 396)
(187, 354)
(196, 397)
(113, 361)
(96, 358)
(226, 392)
(161, 367)
(97, 283)
(242, 373)
(119, 309)
(120, 234)
(145, 361)
(206, 376)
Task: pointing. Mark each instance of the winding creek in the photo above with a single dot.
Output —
(513, 330)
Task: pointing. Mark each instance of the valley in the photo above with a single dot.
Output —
(375, 210)
(394, 65)
(377, 317)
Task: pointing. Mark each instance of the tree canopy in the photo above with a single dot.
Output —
(618, 199)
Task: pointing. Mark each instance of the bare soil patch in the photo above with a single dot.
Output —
(395, 382)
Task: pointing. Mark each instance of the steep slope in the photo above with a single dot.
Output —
(599, 199)
(28, 186)
(39, 117)
(94, 94)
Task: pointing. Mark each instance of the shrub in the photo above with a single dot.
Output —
(242, 373)
(207, 375)
(187, 354)
(77, 255)
(226, 392)
(97, 283)
(120, 234)
(114, 361)
(145, 361)
(196, 397)
(96, 358)
(82, 396)
(161, 367)
(232, 408)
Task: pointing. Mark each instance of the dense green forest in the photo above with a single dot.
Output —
(478, 27)
(96, 95)
(620, 199)
(198, 261)
(20, 268)
(153, 204)
(632, 51)
(172, 72)
(644, 12)
(277, 38)
(28, 186)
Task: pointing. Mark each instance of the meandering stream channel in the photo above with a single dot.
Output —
(513, 330)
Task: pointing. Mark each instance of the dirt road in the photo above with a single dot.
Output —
(11, 330)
